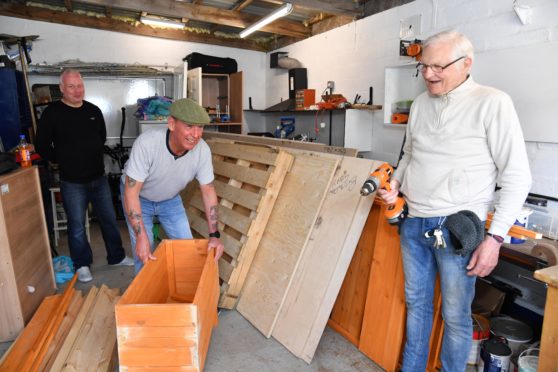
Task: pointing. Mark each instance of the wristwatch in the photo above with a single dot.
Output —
(498, 238)
(215, 234)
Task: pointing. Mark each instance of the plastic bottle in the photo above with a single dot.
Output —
(24, 152)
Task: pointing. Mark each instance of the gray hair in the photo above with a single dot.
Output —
(68, 71)
(462, 46)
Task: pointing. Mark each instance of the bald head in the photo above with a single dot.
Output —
(71, 86)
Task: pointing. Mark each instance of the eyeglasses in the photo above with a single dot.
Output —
(436, 68)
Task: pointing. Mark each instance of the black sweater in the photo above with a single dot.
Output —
(73, 138)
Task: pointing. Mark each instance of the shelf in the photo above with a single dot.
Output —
(226, 124)
(395, 125)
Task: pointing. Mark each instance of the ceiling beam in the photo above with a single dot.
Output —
(170, 8)
(111, 24)
(68, 5)
(335, 7)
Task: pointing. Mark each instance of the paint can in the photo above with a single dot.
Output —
(481, 332)
(494, 356)
(528, 360)
(516, 333)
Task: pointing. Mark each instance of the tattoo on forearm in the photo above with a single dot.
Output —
(137, 228)
(133, 215)
(213, 217)
(131, 182)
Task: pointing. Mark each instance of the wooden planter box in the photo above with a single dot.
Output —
(165, 318)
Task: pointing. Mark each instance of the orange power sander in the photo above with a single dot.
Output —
(379, 179)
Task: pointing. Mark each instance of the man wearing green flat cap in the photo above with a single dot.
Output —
(162, 162)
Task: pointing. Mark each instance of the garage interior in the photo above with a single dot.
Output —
(303, 110)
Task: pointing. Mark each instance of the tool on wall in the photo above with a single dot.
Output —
(410, 48)
(379, 179)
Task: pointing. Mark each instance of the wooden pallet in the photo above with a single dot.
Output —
(288, 231)
(247, 180)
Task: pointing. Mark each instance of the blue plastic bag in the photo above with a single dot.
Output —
(63, 269)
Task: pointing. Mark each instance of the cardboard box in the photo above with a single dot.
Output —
(165, 318)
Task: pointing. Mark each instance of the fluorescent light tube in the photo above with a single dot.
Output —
(284, 10)
(161, 22)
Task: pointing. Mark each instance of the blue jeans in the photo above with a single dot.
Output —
(75, 198)
(171, 216)
(421, 262)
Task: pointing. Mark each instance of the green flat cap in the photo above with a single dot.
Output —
(189, 111)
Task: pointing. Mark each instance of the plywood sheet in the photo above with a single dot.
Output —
(325, 259)
(285, 237)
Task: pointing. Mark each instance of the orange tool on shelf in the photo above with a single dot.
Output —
(399, 118)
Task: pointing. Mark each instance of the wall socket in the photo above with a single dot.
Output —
(330, 85)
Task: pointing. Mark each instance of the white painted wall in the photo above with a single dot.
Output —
(355, 55)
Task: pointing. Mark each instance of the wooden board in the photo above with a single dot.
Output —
(283, 143)
(68, 343)
(94, 346)
(348, 311)
(383, 326)
(20, 349)
(548, 359)
(287, 233)
(248, 180)
(325, 259)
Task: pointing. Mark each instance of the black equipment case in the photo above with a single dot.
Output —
(210, 64)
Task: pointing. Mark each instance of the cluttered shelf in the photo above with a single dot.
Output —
(353, 107)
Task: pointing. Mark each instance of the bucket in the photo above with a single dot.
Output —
(494, 356)
(481, 332)
(522, 220)
(528, 360)
(514, 331)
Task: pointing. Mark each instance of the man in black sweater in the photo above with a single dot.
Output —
(72, 133)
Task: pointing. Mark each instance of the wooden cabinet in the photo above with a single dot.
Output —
(370, 310)
(26, 273)
(221, 95)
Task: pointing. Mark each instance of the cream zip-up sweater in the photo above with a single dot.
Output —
(457, 146)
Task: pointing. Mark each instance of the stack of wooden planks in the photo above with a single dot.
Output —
(308, 241)
(68, 332)
(247, 182)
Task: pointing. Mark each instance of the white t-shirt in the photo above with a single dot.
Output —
(164, 175)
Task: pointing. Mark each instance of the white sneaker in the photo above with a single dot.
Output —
(127, 261)
(84, 275)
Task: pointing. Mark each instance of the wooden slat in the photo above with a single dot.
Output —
(19, 350)
(348, 311)
(97, 333)
(383, 325)
(245, 152)
(225, 271)
(548, 358)
(232, 246)
(287, 232)
(238, 196)
(229, 217)
(516, 231)
(64, 351)
(282, 143)
(324, 260)
(65, 326)
(240, 173)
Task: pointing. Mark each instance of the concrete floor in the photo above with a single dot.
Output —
(235, 344)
